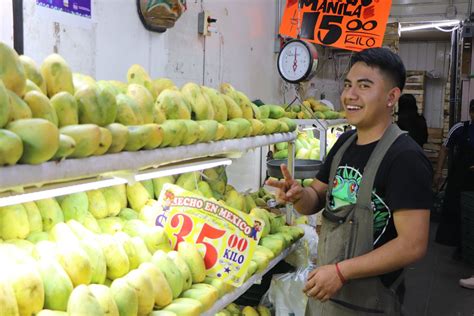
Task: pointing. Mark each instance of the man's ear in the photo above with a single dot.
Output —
(393, 96)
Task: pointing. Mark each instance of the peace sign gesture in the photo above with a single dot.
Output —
(288, 189)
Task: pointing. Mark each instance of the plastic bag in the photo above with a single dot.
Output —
(306, 248)
(286, 292)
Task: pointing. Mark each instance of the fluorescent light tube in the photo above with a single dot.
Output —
(58, 190)
(182, 168)
(429, 25)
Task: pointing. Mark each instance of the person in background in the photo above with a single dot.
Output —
(460, 178)
(409, 120)
(375, 187)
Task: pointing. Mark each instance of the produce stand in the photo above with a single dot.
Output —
(322, 126)
(232, 296)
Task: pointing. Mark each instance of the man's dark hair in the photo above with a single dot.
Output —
(471, 106)
(384, 59)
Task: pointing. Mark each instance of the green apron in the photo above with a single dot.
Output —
(347, 232)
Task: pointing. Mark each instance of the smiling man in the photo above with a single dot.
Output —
(375, 187)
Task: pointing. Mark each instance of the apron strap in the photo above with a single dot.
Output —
(337, 160)
(394, 286)
(368, 177)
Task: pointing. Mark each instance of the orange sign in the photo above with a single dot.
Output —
(348, 24)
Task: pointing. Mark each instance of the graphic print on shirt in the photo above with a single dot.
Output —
(345, 187)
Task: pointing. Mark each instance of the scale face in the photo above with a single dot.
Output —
(297, 61)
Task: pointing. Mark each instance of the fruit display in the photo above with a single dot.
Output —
(306, 147)
(99, 252)
(311, 109)
(236, 310)
(49, 112)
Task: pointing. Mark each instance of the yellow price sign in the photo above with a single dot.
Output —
(226, 236)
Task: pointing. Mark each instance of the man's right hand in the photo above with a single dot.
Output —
(288, 189)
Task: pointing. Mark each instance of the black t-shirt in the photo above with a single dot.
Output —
(403, 181)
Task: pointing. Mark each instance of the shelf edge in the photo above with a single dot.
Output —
(232, 296)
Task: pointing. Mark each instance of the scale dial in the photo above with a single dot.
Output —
(297, 61)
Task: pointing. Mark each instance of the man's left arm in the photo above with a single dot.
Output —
(409, 246)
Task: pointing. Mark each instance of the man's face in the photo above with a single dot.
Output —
(471, 114)
(367, 96)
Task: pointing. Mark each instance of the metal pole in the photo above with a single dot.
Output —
(454, 71)
(17, 6)
(291, 169)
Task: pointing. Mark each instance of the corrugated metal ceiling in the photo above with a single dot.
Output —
(429, 10)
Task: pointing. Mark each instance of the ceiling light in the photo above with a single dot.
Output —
(429, 25)
(60, 189)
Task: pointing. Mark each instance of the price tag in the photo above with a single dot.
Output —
(226, 236)
(348, 24)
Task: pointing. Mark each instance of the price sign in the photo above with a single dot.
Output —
(348, 24)
(226, 236)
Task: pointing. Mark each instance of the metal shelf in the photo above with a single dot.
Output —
(232, 296)
(325, 123)
(18, 177)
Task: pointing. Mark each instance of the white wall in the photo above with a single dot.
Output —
(429, 56)
(72, 37)
(242, 52)
(6, 22)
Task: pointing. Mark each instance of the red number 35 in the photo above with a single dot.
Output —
(206, 234)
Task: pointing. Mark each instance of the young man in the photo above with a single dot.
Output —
(375, 187)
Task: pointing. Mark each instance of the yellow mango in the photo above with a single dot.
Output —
(136, 74)
(208, 130)
(173, 105)
(128, 111)
(138, 136)
(119, 137)
(218, 102)
(31, 86)
(4, 105)
(86, 136)
(32, 73)
(192, 132)
(67, 145)
(40, 106)
(96, 106)
(40, 139)
(81, 81)
(105, 141)
(233, 109)
(18, 108)
(174, 132)
(144, 100)
(161, 84)
(11, 147)
(12, 71)
(57, 74)
(66, 109)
